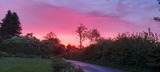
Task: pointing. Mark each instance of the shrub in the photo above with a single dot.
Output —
(4, 54)
(139, 51)
(60, 65)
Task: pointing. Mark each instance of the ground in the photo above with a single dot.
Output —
(25, 65)
(93, 68)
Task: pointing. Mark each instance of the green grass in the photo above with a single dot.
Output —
(25, 65)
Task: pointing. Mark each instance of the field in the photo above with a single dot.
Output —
(25, 65)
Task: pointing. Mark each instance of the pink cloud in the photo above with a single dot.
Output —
(41, 18)
(46, 18)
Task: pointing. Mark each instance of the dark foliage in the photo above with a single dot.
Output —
(139, 51)
(10, 25)
(60, 65)
(81, 33)
(31, 47)
(25, 46)
(93, 35)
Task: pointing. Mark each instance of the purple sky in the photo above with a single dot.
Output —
(62, 17)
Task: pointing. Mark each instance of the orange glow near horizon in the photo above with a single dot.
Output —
(70, 39)
(63, 17)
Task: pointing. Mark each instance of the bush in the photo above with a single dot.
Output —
(26, 47)
(60, 65)
(138, 51)
(4, 54)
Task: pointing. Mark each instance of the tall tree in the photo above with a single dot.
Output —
(93, 35)
(10, 25)
(81, 31)
(157, 18)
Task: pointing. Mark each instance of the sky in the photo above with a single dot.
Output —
(62, 17)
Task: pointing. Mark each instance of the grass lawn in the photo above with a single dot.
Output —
(25, 65)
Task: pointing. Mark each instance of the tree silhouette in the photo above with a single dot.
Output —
(10, 25)
(157, 18)
(52, 37)
(93, 35)
(81, 31)
(29, 35)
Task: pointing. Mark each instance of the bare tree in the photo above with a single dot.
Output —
(93, 35)
(81, 31)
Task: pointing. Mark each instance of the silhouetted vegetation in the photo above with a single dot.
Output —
(12, 44)
(60, 65)
(10, 25)
(157, 18)
(81, 32)
(93, 35)
(134, 52)
(31, 47)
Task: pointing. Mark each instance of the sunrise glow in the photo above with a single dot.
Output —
(62, 17)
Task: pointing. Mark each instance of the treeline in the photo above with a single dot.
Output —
(30, 46)
(12, 43)
(136, 52)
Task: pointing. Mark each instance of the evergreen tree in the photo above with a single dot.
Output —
(10, 25)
